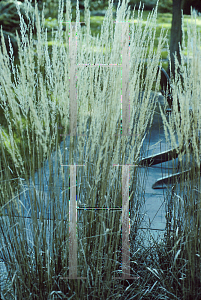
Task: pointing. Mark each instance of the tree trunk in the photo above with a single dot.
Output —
(176, 34)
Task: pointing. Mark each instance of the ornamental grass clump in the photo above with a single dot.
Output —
(35, 101)
(184, 202)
